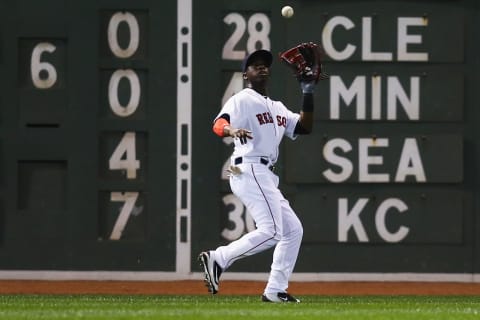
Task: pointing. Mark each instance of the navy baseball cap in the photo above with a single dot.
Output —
(262, 54)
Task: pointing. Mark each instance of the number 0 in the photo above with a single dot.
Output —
(113, 34)
(131, 107)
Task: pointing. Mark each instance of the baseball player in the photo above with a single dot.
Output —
(258, 124)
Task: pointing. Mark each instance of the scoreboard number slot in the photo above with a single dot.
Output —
(128, 199)
(135, 92)
(125, 157)
(249, 32)
(256, 29)
(39, 69)
(123, 32)
(134, 30)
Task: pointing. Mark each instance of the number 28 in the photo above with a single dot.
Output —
(258, 29)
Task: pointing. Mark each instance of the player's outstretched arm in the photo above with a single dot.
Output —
(305, 60)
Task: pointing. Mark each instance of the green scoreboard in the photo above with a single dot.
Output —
(108, 160)
(88, 135)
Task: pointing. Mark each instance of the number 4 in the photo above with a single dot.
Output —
(129, 162)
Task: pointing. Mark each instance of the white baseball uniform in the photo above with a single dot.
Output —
(257, 186)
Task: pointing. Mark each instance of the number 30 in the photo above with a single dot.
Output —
(238, 217)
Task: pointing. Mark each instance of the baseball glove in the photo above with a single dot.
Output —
(305, 60)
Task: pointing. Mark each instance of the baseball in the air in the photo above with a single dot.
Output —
(287, 12)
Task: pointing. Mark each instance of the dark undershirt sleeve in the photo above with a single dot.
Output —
(299, 129)
(307, 106)
(225, 116)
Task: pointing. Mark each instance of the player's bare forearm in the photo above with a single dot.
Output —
(226, 131)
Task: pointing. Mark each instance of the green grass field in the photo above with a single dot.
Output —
(236, 307)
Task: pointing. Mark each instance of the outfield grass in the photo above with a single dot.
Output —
(236, 307)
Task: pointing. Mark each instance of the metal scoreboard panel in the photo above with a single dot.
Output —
(372, 156)
(381, 217)
(88, 143)
(384, 174)
(364, 92)
(388, 103)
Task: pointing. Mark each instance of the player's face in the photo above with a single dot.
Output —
(257, 72)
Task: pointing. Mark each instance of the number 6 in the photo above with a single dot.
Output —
(37, 66)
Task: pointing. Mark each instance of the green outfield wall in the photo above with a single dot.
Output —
(108, 160)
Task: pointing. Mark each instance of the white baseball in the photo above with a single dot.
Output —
(287, 12)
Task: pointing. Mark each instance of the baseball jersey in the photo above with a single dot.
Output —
(268, 120)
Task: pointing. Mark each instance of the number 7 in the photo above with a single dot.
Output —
(129, 198)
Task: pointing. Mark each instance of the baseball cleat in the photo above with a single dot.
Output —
(279, 297)
(212, 271)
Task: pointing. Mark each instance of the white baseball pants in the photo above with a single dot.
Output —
(276, 222)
